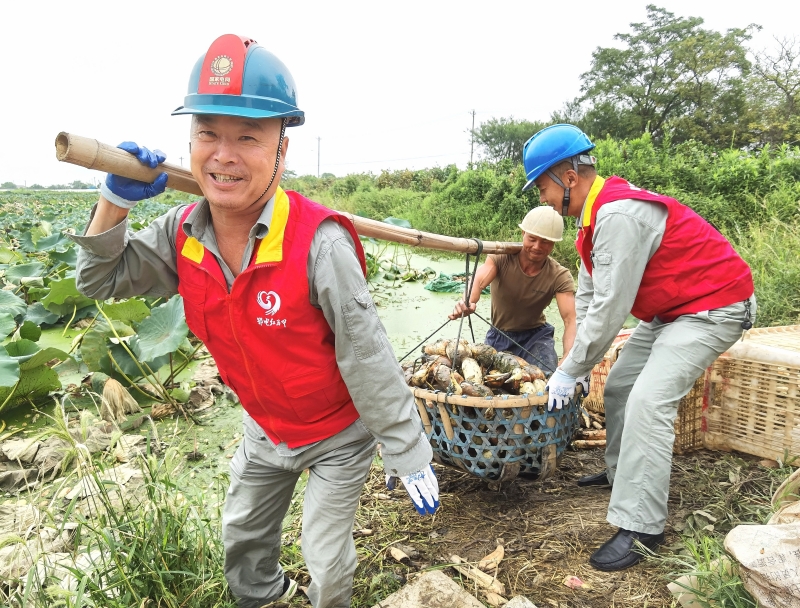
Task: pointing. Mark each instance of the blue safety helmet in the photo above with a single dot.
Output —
(552, 145)
(239, 77)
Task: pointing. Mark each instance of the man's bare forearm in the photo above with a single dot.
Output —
(106, 216)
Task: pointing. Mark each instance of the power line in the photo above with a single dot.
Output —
(472, 139)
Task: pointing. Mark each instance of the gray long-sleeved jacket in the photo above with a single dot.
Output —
(122, 263)
(627, 234)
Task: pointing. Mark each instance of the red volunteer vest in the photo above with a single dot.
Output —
(694, 269)
(272, 347)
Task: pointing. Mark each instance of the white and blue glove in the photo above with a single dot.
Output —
(422, 487)
(125, 192)
(560, 388)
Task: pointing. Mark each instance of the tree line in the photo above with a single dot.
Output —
(677, 81)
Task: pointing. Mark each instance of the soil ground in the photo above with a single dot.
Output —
(549, 528)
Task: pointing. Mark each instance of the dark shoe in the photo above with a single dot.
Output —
(289, 589)
(598, 479)
(621, 552)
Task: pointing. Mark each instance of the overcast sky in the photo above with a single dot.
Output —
(384, 85)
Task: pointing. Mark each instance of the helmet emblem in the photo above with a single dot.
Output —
(221, 65)
(269, 301)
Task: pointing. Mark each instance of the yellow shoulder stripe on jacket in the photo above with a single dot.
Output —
(193, 250)
(593, 192)
(271, 247)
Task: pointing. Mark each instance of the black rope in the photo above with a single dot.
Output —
(424, 340)
(542, 364)
(468, 285)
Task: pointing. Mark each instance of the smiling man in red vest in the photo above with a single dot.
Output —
(274, 285)
(649, 255)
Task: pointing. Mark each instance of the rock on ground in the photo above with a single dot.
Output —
(431, 590)
(520, 601)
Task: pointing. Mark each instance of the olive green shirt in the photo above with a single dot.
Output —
(519, 300)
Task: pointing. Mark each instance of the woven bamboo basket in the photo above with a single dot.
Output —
(754, 395)
(496, 438)
(689, 421)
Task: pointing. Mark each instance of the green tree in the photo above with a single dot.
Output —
(774, 90)
(8, 186)
(499, 139)
(671, 76)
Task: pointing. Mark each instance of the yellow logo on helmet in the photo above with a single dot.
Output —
(221, 65)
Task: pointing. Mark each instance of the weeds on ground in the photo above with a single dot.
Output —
(150, 546)
(727, 492)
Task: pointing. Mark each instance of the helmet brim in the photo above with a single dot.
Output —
(541, 236)
(528, 185)
(294, 120)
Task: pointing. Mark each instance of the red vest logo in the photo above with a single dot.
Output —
(269, 301)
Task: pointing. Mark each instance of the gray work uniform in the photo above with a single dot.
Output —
(121, 263)
(657, 367)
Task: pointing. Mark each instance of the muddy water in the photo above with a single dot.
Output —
(410, 312)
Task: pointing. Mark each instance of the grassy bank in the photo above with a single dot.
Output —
(751, 197)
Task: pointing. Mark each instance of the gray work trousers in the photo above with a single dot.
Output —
(657, 367)
(262, 484)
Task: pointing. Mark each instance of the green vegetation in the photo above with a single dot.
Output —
(751, 197)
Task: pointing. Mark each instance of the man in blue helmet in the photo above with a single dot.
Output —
(274, 285)
(646, 254)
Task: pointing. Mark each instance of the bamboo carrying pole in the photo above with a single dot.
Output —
(93, 154)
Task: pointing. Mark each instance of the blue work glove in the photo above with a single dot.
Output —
(125, 192)
(583, 382)
(422, 487)
(561, 388)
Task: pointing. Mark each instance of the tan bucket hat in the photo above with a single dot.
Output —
(544, 222)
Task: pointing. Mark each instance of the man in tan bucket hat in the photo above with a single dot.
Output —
(523, 285)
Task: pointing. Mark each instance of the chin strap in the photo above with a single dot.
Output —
(580, 159)
(556, 179)
(277, 161)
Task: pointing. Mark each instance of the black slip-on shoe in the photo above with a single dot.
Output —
(620, 551)
(598, 479)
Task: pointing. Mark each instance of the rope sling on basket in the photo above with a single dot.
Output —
(492, 436)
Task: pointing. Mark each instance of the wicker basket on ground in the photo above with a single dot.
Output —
(496, 438)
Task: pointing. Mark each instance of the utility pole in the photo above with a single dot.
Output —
(472, 139)
(318, 140)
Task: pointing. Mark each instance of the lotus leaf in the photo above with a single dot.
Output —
(7, 256)
(127, 311)
(68, 257)
(162, 332)
(22, 350)
(128, 365)
(7, 325)
(15, 274)
(64, 297)
(30, 330)
(39, 315)
(12, 304)
(43, 356)
(94, 346)
(33, 384)
(9, 369)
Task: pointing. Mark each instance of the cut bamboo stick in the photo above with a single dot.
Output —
(483, 579)
(589, 443)
(93, 154)
(592, 434)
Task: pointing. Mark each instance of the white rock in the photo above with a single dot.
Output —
(23, 450)
(433, 589)
(520, 601)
